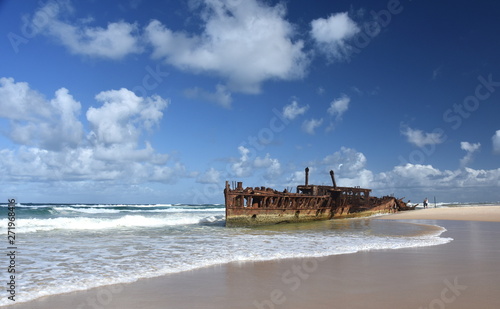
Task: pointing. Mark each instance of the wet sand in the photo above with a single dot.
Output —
(464, 273)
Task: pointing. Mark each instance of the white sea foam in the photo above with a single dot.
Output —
(99, 210)
(214, 219)
(85, 210)
(85, 223)
(120, 205)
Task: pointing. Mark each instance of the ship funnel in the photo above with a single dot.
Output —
(333, 179)
(307, 176)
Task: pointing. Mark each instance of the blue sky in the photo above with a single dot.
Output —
(161, 102)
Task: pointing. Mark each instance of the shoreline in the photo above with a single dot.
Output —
(463, 271)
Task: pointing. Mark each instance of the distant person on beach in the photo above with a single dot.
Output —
(426, 202)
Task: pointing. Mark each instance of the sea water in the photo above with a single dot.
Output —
(68, 247)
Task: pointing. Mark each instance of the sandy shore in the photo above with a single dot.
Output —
(464, 273)
(473, 213)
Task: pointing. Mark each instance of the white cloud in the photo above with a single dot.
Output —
(428, 178)
(496, 142)
(269, 168)
(166, 174)
(471, 149)
(332, 34)
(221, 96)
(242, 167)
(335, 28)
(116, 41)
(293, 110)
(272, 166)
(339, 106)
(19, 102)
(34, 121)
(421, 139)
(122, 116)
(245, 42)
(346, 163)
(310, 125)
(474, 178)
(55, 147)
(296, 178)
(414, 175)
(210, 176)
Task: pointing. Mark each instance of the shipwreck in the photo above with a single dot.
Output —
(261, 205)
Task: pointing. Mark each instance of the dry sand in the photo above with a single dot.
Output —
(472, 213)
(464, 273)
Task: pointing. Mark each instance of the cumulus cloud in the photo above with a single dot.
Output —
(496, 142)
(245, 42)
(118, 124)
(347, 162)
(122, 116)
(471, 149)
(421, 139)
(332, 35)
(309, 126)
(242, 167)
(53, 144)
(115, 41)
(246, 165)
(210, 176)
(412, 175)
(339, 106)
(271, 165)
(19, 102)
(293, 110)
(50, 124)
(425, 178)
(297, 178)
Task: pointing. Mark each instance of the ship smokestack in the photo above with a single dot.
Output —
(333, 179)
(307, 176)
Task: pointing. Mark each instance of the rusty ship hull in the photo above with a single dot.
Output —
(261, 205)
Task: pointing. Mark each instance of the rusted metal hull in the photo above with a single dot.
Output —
(261, 206)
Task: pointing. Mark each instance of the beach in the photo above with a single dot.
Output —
(478, 213)
(463, 273)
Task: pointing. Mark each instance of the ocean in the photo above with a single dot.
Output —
(68, 247)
